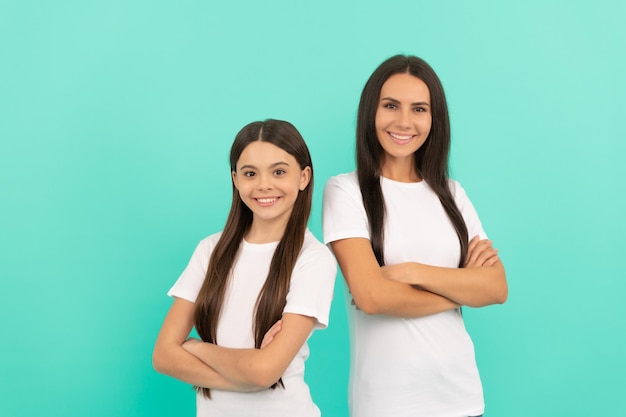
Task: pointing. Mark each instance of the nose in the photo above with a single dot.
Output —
(403, 121)
(265, 182)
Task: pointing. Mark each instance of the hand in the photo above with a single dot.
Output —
(273, 331)
(481, 253)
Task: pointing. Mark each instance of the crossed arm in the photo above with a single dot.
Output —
(212, 366)
(412, 289)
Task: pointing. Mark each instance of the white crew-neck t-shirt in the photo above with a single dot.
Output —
(418, 367)
(310, 294)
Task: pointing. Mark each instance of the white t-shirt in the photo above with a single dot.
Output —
(418, 367)
(310, 294)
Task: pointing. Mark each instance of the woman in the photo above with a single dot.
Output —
(412, 251)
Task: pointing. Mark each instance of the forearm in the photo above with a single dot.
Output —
(474, 287)
(182, 365)
(400, 300)
(170, 358)
(373, 293)
(244, 367)
(257, 368)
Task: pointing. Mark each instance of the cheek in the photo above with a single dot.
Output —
(379, 122)
(243, 191)
(379, 126)
(242, 197)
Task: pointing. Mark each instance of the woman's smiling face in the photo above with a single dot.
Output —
(403, 116)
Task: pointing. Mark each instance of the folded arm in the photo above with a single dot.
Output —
(257, 368)
(171, 359)
(480, 283)
(374, 293)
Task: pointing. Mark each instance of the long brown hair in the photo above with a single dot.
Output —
(272, 298)
(431, 159)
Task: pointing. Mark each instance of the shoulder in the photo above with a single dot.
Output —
(341, 185)
(315, 259)
(314, 255)
(313, 249)
(210, 241)
(206, 245)
(463, 202)
(458, 192)
(347, 180)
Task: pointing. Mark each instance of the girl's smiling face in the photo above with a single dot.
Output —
(403, 116)
(268, 180)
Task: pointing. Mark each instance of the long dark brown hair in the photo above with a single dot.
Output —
(431, 159)
(272, 298)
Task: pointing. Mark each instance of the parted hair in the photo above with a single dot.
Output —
(272, 298)
(431, 159)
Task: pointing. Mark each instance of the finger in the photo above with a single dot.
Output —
(269, 335)
(484, 255)
(479, 249)
(276, 327)
(473, 250)
(470, 251)
(266, 341)
(492, 261)
(472, 244)
(485, 252)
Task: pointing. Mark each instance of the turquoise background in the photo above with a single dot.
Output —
(115, 122)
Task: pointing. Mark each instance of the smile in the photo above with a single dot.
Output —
(266, 201)
(400, 139)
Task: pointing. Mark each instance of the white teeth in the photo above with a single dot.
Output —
(266, 200)
(400, 137)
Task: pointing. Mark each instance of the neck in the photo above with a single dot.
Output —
(265, 232)
(402, 170)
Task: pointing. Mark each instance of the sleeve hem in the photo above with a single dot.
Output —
(321, 322)
(345, 234)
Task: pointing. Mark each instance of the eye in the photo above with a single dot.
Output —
(249, 174)
(280, 172)
(390, 106)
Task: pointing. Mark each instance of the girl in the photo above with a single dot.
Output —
(399, 229)
(264, 268)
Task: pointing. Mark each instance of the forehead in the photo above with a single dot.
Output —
(405, 87)
(263, 154)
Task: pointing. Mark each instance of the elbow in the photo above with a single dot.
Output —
(160, 362)
(262, 370)
(263, 382)
(497, 297)
(370, 304)
(499, 290)
(263, 376)
(502, 295)
(157, 362)
(370, 308)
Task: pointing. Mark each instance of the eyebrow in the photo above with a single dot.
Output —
(393, 100)
(274, 165)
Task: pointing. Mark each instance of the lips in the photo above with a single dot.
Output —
(399, 138)
(266, 201)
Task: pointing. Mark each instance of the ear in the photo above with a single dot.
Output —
(305, 178)
(235, 183)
